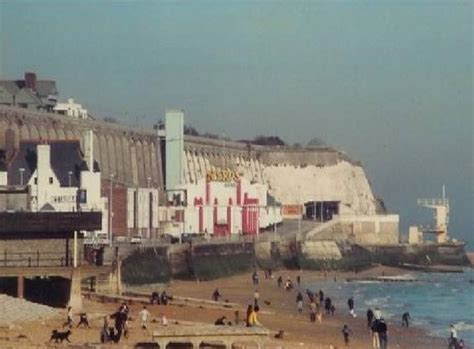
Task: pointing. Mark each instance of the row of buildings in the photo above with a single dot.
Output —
(57, 176)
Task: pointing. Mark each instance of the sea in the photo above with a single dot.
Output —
(434, 300)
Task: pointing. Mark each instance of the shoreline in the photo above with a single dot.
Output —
(278, 313)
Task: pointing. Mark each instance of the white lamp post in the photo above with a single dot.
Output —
(69, 177)
(111, 213)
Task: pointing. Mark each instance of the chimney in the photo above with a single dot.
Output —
(30, 80)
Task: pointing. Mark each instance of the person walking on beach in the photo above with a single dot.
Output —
(255, 278)
(405, 319)
(375, 334)
(370, 317)
(327, 305)
(299, 302)
(346, 332)
(83, 320)
(350, 303)
(321, 296)
(383, 333)
(279, 281)
(69, 321)
(256, 297)
(298, 280)
(216, 295)
(453, 337)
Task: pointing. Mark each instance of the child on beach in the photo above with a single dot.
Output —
(299, 302)
(144, 314)
(346, 332)
(312, 311)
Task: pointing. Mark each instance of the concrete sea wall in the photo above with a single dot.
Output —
(208, 261)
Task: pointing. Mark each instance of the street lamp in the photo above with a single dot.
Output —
(110, 208)
(150, 209)
(22, 170)
(69, 177)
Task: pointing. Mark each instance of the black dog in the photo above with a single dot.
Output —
(60, 336)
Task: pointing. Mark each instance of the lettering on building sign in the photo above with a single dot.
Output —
(292, 210)
(222, 176)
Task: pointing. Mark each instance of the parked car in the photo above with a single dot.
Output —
(137, 239)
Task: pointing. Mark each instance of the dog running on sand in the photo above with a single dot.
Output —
(60, 336)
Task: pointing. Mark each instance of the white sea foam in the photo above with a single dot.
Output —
(462, 326)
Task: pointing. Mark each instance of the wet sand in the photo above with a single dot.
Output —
(279, 314)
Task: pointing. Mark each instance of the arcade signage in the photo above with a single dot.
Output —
(222, 176)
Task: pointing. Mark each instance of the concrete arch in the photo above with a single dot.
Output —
(96, 150)
(43, 132)
(52, 135)
(12, 137)
(61, 134)
(111, 153)
(147, 163)
(120, 167)
(34, 133)
(134, 162)
(140, 164)
(154, 166)
(69, 134)
(78, 137)
(3, 130)
(126, 155)
(24, 133)
(104, 157)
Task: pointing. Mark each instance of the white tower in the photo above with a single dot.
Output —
(442, 217)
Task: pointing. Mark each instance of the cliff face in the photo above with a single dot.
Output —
(135, 158)
(342, 182)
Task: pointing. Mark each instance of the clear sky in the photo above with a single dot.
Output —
(389, 82)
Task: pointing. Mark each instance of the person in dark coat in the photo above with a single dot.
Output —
(370, 317)
(406, 319)
(327, 305)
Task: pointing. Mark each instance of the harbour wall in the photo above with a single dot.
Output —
(205, 261)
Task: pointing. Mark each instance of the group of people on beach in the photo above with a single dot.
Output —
(157, 298)
(378, 327)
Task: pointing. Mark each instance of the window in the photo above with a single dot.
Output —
(50, 180)
(36, 180)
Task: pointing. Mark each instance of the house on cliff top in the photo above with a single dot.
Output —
(29, 93)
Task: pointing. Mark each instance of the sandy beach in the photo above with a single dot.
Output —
(278, 312)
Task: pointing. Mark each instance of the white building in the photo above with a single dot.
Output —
(71, 108)
(59, 178)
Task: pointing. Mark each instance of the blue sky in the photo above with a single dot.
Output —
(389, 82)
